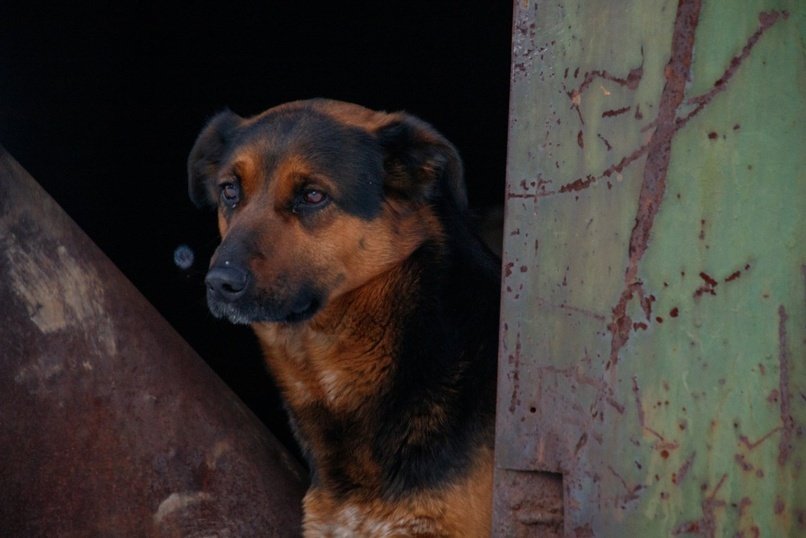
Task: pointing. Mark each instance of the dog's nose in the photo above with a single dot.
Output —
(229, 283)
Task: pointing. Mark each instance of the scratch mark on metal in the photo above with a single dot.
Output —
(640, 411)
(576, 374)
(515, 361)
(741, 460)
(639, 408)
(707, 523)
(583, 311)
(681, 473)
(631, 492)
(751, 445)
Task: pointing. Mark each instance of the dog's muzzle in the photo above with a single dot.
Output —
(233, 294)
(227, 283)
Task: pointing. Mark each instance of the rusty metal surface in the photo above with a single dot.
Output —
(532, 501)
(110, 425)
(653, 313)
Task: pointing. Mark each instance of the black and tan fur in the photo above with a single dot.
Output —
(345, 245)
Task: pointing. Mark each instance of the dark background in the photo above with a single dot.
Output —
(101, 103)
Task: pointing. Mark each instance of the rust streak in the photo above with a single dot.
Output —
(708, 287)
(621, 323)
(766, 20)
(743, 505)
(606, 143)
(780, 506)
(673, 122)
(615, 112)
(733, 276)
(708, 279)
(711, 283)
(787, 421)
(615, 404)
(646, 304)
(653, 184)
(579, 183)
(631, 81)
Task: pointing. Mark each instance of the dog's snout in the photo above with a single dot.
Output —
(229, 283)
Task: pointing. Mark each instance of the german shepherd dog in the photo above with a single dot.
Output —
(346, 246)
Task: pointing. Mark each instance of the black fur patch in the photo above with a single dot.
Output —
(444, 363)
(350, 157)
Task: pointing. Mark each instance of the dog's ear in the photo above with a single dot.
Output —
(420, 164)
(205, 157)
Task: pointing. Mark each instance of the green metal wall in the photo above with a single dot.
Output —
(654, 299)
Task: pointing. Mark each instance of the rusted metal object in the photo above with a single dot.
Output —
(532, 501)
(110, 424)
(655, 268)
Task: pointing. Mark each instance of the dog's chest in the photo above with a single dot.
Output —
(461, 508)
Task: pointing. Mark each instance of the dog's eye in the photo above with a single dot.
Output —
(313, 197)
(230, 194)
(310, 199)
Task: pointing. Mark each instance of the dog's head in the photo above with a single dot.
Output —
(315, 199)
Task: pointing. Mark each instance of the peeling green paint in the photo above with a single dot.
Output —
(666, 383)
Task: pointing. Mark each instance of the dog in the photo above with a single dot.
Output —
(346, 244)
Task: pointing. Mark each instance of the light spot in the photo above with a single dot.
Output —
(43, 369)
(179, 501)
(59, 292)
(184, 257)
(330, 381)
(219, 449)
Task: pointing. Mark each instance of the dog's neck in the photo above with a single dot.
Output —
(339, 357)
(334, 371)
